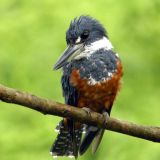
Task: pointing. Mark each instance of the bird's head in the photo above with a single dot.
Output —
(84, 37)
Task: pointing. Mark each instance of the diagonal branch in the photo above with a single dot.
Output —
(45, 106)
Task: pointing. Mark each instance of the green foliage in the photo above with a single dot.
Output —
(31, 39)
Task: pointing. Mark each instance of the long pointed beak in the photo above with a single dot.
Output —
(69, 53)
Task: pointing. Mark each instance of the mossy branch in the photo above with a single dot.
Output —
(45, 106)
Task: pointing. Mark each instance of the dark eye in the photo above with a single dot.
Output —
(85, 35)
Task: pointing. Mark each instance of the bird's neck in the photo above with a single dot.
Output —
(93, 47)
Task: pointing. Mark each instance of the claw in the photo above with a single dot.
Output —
(106, 117)
(88, 110)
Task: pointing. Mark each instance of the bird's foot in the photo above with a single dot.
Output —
(88, 111)
(106, 118)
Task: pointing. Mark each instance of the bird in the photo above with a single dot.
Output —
(91, 79)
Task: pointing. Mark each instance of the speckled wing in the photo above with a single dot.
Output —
(70, 94)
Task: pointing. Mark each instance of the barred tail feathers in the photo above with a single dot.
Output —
(67, 142)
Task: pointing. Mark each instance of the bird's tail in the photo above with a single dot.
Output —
(93, 135)
(68, 140)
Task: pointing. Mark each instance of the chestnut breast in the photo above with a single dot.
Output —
(94, 81)
(97, 95)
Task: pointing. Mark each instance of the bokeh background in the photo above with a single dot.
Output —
(32, 37)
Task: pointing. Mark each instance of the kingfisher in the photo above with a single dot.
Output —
(91, 78)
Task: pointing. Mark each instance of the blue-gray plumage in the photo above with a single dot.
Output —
(91, 79)
(98, 65)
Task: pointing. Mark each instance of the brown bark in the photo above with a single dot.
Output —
(45, 106)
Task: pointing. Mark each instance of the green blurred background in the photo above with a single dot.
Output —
(32, 36)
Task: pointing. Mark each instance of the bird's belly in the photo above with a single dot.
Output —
(99, 96)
